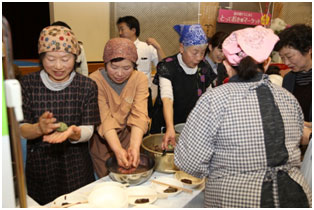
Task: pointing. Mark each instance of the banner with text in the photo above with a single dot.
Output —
(242, 17)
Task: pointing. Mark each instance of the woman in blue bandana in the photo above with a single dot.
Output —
(181, 79)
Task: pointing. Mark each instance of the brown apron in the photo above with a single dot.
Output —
(100, 150)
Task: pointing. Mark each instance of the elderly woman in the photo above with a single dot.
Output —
(58, 162)
(244, 135)
(181, 80)
(122, 100)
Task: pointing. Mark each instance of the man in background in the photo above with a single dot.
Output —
(148, 52)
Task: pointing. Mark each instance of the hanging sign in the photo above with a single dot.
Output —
(265, 19)
(242, 17)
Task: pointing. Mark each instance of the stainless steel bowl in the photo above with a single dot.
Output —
(164, 161)
(140, 175)
(179, 127)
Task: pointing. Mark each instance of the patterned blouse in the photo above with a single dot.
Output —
(186, 89)
(244, 137)
(56, 169)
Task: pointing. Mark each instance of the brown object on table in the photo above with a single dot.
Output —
(126, 170)
(71, 204)
(173, 186)
(170, 190)
(142, 200)
(187, 181)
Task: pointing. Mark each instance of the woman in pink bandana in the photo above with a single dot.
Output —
(244, 136)
(122, 100)
(58, 162)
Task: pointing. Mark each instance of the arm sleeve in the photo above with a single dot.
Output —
(108, 122)
(90, 112)
(162, 71)
(26, 99)
(154, 55)
(165, 88)
(86, 133)
(196, 142)
(139, 113)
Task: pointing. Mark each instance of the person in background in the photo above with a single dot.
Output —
(122, 100)
(295, 50)
(214, 56)
(82, 66)
(149, 52)
(244, 135)
(181, 79)
(58, 162)
(274, 75)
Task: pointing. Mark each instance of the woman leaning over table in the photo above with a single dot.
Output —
(244, 135)
(295, 50)
(58, 162)
(181, 78)
(122, 100)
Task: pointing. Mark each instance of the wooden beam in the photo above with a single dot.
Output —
(208, 17)
(277, 13)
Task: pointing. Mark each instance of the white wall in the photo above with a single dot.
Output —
(90, 22)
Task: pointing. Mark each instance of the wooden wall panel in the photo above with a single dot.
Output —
(277, 13)
(208, 17)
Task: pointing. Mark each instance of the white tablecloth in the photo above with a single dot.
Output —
(183, 199)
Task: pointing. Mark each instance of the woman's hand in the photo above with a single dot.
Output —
(308, 124)
(46, 123)
(305, 139)
(230, 71)
(169, 137)
(73, 132)
(122, 158)
(134, 156)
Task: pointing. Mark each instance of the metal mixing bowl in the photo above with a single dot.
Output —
(140, 175)
(179, 127)
(164, 161)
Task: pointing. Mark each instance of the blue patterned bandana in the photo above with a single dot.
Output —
(191, 34)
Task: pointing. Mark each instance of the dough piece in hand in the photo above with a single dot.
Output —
(63, 127)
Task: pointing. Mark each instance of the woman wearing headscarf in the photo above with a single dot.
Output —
(181, 79)
(122, 100)
(81, 61)
(244, 136)
(58, 162)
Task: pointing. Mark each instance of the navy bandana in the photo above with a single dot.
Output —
(191, 34)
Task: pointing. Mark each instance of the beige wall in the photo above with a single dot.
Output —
(157, 20)
(297, 12)
(89, 21)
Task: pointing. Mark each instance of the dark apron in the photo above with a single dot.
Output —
(100, 150)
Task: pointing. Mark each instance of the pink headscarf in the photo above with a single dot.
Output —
(58, 39)
(257, 42)
(120, 48)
